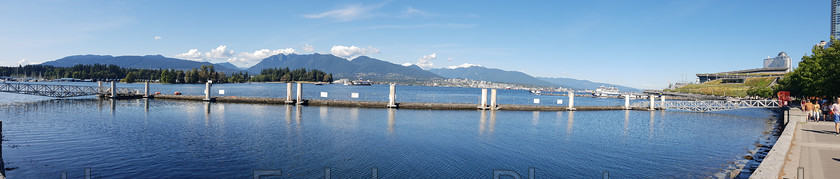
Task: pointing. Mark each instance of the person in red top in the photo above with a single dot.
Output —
(835, 108)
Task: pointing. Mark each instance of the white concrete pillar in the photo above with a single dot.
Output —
(652, 97)
(207, 90)
(113, 90)
(571, 100)
(661, 101)
(392, 96)
(493, 99)
(289, 93)
(299, 93)
(626, 101)
(100, 83)
(483, 99)
(146, 92)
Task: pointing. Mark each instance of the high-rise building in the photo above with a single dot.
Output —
(835, 18)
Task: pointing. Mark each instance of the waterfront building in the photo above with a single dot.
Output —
(773, 67)
(781, 60)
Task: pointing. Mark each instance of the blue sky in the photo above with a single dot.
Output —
(643, 43)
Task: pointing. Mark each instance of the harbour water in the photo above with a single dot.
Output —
(142, 138)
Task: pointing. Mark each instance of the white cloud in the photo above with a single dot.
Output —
(158, 37)
(406, 64)
(449, 59)
(410, 11)
(426, 61)
(220, 52)
(351, 52)
(192, 54)
(349, 13)
(465, 65)
(308, 48)
(258, 55)
(241, 59)
(22, 61)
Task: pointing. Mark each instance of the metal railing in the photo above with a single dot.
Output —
(711, 105)
(60, 91)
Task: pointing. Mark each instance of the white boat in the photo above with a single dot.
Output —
(606, 91)
(536, 92)
(360, 83)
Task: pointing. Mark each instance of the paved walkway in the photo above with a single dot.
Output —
(815, 149)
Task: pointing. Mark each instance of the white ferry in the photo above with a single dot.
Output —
(606, 91)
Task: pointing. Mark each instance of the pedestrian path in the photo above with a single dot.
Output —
(815, 151)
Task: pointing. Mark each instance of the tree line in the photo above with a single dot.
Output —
(101, 72)
(817, 74)
(284, 74)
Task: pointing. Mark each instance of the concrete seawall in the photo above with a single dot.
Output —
(771, 166)
(402, 105)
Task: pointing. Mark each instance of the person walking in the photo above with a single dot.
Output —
(816, 111)
(835, 108)
(808, 108)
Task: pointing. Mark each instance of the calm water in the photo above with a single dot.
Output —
(176, 139)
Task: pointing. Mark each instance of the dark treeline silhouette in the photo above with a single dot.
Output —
(284, 74)
(101, 72)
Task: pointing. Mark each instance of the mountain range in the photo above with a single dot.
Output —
(491, 74)
(584, 84)
(360, 67)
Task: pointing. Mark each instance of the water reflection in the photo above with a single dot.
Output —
(661, 121)
(569, 125)
(113, 107)
(322, 112)
(288, 116)
(145, 111)
(100, 105)
(206, 114)
(492, 121)
(482, 122)
(392, 115)
(559, 118)
(354, 114)
(650, 124)
(535, 118)
(626, 125)
(297, 116)
(146, 105)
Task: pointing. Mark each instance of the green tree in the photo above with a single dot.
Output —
(130, 77)
(817, 74)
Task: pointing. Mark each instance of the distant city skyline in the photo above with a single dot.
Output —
(642, 44)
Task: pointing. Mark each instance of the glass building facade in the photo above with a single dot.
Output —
(835, 18)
